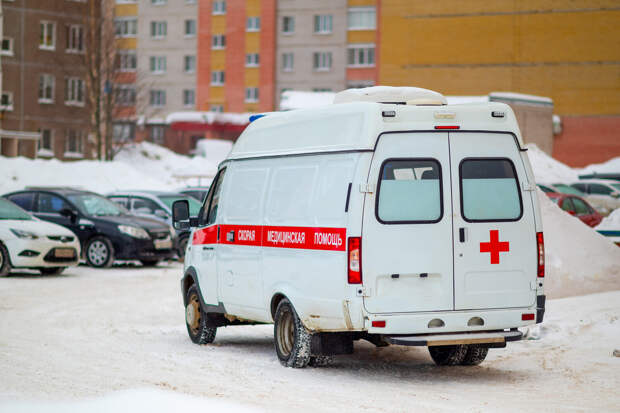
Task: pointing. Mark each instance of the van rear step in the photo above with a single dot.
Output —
(493, 339)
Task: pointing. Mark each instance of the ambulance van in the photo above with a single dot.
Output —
(388, 216)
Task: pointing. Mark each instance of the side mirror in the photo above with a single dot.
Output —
(180, 215)
(72, 215)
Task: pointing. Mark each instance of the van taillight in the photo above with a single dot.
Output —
(540, 244)
(355, 260)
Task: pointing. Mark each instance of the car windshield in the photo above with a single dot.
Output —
(616, 186)
(194, 205)
(567, 189)
(91, 204)
(9, 210)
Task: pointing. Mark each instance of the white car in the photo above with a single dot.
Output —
(603, 194)
(28, 242)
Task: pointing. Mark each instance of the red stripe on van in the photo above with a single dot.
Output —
(310, 238)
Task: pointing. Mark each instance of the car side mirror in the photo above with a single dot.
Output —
(68, 213)
(180, 215)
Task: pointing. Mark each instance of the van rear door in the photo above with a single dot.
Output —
(407, 225)
(494, 232)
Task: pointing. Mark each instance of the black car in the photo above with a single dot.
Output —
(106, 230)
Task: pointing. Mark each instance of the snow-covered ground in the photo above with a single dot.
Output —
(114, 340)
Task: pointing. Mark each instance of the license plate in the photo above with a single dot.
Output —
(63, 252)
(161, 244)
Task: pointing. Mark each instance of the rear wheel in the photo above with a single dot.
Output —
(52, 270)
(182, 247)
(196, 319)
(475, 355)
(99, 252)
(5, 265)
(448, 355)
(292, 340)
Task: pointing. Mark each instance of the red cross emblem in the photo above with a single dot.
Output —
(494, 246)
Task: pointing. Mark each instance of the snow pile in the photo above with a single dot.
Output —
(611, 166)
(214, 150)
(578, 260)
(547, 170)
(610, 222)
(390, 94)
(297, 99)
(130, 401)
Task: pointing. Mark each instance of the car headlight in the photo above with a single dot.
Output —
(134, 231)
(24, 234)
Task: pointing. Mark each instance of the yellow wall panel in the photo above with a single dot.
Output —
(124, 10)
(216, 94)
(361, 3)
(361, 36)
(252, 8)
(252, 108)
(218, 24)
(128, 43)
(252, 77)
(252, 42)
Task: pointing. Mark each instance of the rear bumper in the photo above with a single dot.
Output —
(453, 321)
(485, 338)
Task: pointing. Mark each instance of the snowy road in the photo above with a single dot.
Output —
(90, 332)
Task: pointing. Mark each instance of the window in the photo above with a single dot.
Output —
(489, 190)
(189, 64)
(581, 187)
(158, 2)
(252, 24)
(74, 91)
(189, 97)
(216, 108)
(581, 208)
(51, 204)
(6, 101)
(323, 24)
(157, 134)
(47, 36)
(125, 95)
(361, 55)
(120, 200)
(321, 89)
(218, 41)
(144, 206)
(599, 189)
(45, 143)
(46, 88)
(251, 94)
(159, 29)
(190, 28)
(409, 191)
(209, 211)
(322, 61)
(157, 98)
(126, 27)
(288, 24)
(362, 18)
(359, 84)
(73, 142)
(75, 38)
(288, 62)
(217, 78)
(158, 64)
(190, 1)
(7, 46)
(123, 132)
(219, 7)
(24, 200)
(567, 205)
(127, 61)
(251, 60)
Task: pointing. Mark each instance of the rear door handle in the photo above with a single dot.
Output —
(462, 234)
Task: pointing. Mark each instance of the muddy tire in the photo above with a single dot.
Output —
(99, 252)
(475, 355)
(5, 263)
(196, 319)
(320, 361)
(292, 340)
(52, 270)
(448, 355)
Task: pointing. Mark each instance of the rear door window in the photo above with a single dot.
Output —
(567, 205)
(599, 189)
(51, 204)
(409, 191)
(581, 208)
(489, 190)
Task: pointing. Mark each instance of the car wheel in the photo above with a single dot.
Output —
(448, 355)
(99, 252)
(292, 340)
(149, 263)
(475, 355)
(196, 319)
(182, 247)
(52, 270)
(5, 264)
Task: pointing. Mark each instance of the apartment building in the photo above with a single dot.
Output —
(45, 111)
(236, 55)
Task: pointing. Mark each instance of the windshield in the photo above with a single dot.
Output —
(91, 204)
(616, 186)
(194, 205)
(567, 189)
(9, 210)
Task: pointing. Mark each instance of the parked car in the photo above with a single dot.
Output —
(106, 231)
(578, 207)
(198, 192)
(28, 242)
(157, 205)
(605, 175)
(604, 195)
(546, 188)
(559, 188)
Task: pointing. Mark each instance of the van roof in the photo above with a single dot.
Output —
(356, 126)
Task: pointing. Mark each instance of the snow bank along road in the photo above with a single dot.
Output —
(88, 333)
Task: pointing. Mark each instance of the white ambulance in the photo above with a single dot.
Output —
(389, 216)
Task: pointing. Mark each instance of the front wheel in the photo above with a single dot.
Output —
(52, 270)
(99, 252)
(5, 264)
(196, 319)
(292, 340)
(448, 355)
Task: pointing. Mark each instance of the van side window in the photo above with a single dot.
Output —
(489, 190)
(209, 210)
(409, 191)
